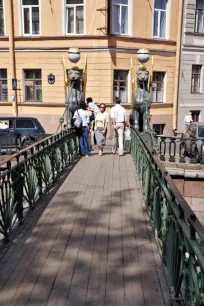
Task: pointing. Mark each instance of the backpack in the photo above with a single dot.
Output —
(78, 121)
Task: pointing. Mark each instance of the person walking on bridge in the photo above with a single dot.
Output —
(119, 121)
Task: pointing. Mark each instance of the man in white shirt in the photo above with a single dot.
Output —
(188, 119)
(119, 121)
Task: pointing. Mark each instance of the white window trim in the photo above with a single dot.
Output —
(201, 79)
(129, 18)
(4, 11)
(22, 18)
(165, 87)
(24, 81)
(168, 18)
(129, 88)
(66, 20)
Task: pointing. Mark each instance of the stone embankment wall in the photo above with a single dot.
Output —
(189, 179)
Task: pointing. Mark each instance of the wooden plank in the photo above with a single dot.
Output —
(30, 260)
(91, 246)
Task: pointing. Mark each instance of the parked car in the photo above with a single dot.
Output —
(19, 132)
(195, 132)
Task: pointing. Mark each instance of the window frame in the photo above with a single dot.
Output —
(66, 19)
(196, 21)
(200, 79)
(3, 79)
(21, 119)
(4, 16)
(160, 126)
(24, 86)
(196, 113)
(164, 87)
(128, 19)
(167, 21)
(118, 81)
(30, 15)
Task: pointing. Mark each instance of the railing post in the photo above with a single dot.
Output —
(172, 144)
(162, 148)
(182, 152)
(193, 151)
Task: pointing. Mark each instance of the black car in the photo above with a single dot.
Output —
(19, 132)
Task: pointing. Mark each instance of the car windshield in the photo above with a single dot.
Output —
(201, 131)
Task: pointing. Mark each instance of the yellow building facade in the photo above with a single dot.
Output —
(36, 35)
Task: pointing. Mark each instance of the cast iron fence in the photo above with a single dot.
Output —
(27, 175)
(182, 150)
(179, 234)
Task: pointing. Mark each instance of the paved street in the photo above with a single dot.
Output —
(88, 244)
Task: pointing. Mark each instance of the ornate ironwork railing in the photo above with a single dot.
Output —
(182, 150)
(179, 234)
(25, 176)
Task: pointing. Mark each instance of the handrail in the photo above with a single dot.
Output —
(181, 149)
(178, 232)
(21, 152)
(32, 174)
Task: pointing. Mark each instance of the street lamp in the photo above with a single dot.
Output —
(143, 56)
(74, 55)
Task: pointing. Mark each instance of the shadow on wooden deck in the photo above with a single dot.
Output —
(88, 243)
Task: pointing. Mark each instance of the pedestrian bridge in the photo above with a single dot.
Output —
(99, 231)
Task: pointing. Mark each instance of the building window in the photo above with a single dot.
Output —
(1, 18)
(120, 85)
(74, 17)
(3, 85)
(199, 14)
(195, 80)
(158, 87)
(31, 17)
(158, 128)
(120, 16)
(160, 12)
(195, 116)
(33, 85)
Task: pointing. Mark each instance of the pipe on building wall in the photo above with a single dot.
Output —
(178, 62)
(12, 55)
(108, 5)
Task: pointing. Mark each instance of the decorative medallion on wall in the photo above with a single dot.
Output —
(51, 79)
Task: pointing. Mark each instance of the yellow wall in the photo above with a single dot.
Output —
(104, 54)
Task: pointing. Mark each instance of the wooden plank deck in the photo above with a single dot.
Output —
(91, 245)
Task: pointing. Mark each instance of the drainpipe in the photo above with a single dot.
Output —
(12, 57)
(178, 62)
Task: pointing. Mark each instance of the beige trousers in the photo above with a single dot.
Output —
(118, 133)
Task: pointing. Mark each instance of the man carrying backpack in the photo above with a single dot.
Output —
(81, 121)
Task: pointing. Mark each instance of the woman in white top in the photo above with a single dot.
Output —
(83, 137)
(101, 122)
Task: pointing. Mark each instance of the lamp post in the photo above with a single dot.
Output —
(74, 57)
(143, 56)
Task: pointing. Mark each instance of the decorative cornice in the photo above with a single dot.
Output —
(101, 37)
(41, 104)
(99, 49)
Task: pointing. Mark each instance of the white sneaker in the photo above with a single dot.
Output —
(113, 150)
(87, 155)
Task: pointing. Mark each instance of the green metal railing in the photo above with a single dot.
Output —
(179, 234)
(27, 175)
